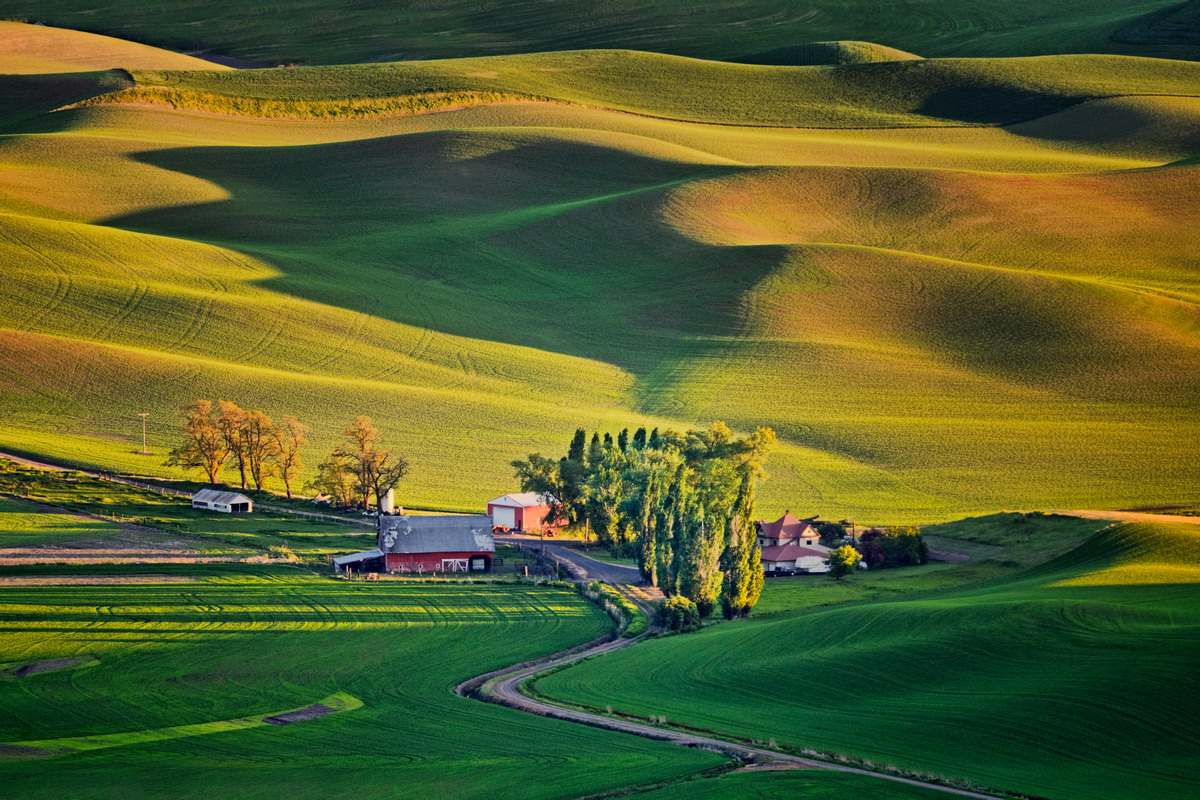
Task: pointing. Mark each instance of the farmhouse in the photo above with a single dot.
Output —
(525, 511)
(787, 530)
(225, 502)
(792, 544)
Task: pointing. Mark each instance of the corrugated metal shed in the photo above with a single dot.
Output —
(223, 498)
(354, 558)
(436, 534)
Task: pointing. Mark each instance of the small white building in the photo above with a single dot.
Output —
(225, 502)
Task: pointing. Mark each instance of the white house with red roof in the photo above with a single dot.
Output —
(792, 544)
(524, 511)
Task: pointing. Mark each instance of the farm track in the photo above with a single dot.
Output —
(503, 688)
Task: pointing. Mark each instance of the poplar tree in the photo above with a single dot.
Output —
(578, 446)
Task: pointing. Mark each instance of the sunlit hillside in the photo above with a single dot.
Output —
(763, 31)
(1025, 683)
(949, 284)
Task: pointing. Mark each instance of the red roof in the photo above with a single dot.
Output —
(786, 527)
(790, 552)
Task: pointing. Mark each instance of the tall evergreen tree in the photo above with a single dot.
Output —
(623, 439)
(594, 452)
(639, 438)
(578, 446)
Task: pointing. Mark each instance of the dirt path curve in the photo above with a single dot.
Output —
(1129, 516)
(502, 689)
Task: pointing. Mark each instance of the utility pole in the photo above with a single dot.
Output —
(143, 415)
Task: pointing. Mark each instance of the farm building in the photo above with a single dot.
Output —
(525, 511)
(795, 558)
(792, 544)
(436, 543)
(225, 502)
(787, 530)
(370, 561)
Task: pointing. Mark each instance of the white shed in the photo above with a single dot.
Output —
(225, 502)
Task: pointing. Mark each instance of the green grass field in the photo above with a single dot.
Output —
(21, 524)
(1023, 683)
(184, 671)
(482, 281)
(761, 30)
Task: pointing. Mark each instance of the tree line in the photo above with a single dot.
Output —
(259, 448)
(681, 503)
(215, 438)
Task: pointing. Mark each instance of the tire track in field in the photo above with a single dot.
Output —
(269, 337)
(137, 294)
(62, 279)
(425, 339)
(339, 350)
(132, 302)
(202, 311)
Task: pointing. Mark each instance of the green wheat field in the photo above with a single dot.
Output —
(946, 250)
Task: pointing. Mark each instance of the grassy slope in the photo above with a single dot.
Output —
(891, 94)
(24, 525)
(417, 269)
(326, 32)
(212, 533)
(33, 49)
(1018, 683)
(790, 784)
(196, 653)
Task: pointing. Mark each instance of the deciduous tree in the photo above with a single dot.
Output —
(231, 421)
(261, 445)
(843, 561)
(337, 478)
(290, 436)
(203, 446)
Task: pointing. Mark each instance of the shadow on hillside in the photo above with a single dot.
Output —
(512, 237)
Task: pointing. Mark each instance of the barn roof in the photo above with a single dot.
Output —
(790, 552)
(215, 496)
(524, 500)
(436, 534)
(354, 558)
(786, 527)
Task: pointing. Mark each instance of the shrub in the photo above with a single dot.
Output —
(678, 614)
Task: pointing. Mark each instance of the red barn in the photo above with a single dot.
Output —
(526, 511)
(436, 543)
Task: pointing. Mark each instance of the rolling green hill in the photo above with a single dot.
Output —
(1028, 683)
(181, 674)
(325, 32)
(990, 305)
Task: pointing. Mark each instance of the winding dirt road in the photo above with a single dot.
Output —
(503, 689)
